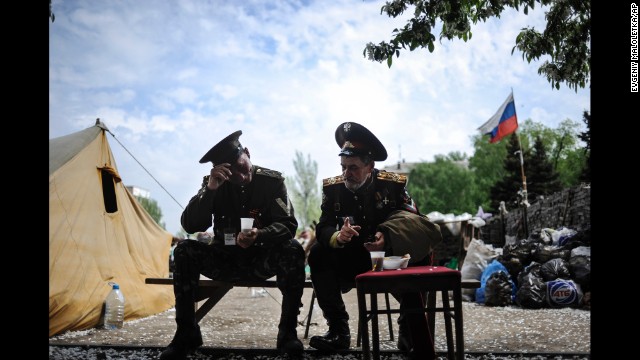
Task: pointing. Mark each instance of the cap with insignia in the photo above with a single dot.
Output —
(227, 150)
(356, 140)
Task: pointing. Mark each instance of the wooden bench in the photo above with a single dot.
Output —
(213, 291)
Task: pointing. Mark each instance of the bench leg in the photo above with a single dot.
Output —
(214, 295)
(313, 300)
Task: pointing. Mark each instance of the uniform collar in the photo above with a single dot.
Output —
(368, 185)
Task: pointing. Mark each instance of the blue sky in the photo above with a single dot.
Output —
(172, 78)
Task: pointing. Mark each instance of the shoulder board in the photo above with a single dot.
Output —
(391, 176)
(333, 180)
(268, 172)
(205, 180)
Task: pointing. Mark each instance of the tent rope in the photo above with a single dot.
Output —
(145, 169)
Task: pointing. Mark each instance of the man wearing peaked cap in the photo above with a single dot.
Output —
(234, 189)
(227, 150)
(356, 208)
(356, 140)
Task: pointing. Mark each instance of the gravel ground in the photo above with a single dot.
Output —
(244, 321)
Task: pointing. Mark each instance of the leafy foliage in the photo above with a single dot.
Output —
(151, 206)
(304, 190)
(586, 137)
(555, 160)
(566, 38)
(507, 188)
(565, 153)
(565, 158)
(542, 178)
(486, 164)
(446, 185)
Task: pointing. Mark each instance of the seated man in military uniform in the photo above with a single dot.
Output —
(233, 189)
(354, 206)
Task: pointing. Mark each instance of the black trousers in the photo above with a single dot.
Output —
(286, 261)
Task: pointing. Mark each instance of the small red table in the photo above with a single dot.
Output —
(417, 279)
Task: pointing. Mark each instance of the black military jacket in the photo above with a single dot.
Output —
(264, 199)
(369, 206)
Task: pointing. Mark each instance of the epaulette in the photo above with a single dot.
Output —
(332, 180)
(203, 187)
(268, 172)
(205, 180)
(391, 176)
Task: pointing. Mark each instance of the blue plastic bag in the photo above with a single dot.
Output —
(494, 266)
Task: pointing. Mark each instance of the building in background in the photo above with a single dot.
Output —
(139, 192)
(402, 168)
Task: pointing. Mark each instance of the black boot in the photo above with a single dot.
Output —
(288, 342)
(336, 339)
(327, 287)
(185, 341)
(187, 337)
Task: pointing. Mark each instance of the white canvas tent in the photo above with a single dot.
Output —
(99, 233)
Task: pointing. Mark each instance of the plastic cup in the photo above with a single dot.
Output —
(377, 260)
(246, 224)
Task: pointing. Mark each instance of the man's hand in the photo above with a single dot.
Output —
(246, 239)
(218, 175)
(347, 231)
(377, 245)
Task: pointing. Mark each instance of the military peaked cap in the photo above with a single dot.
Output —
(356, 140)
(227, 150)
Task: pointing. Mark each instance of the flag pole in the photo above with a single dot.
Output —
(524, 202)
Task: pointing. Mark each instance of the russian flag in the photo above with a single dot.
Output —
(503, 123)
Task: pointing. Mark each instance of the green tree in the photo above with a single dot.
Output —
(507, 188)
(585, 136)
(446, 185)
(566, 38)
(562, 145)
(304, 190)
(495, 169)
(571, 167)
(151, 206)
(486, 164)
(542, 179)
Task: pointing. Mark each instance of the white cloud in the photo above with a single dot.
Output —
(170, 79)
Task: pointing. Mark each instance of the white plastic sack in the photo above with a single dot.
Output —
(435, 216)
(477, 222)
(581, 250)
(478, 256)
(561, 235)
